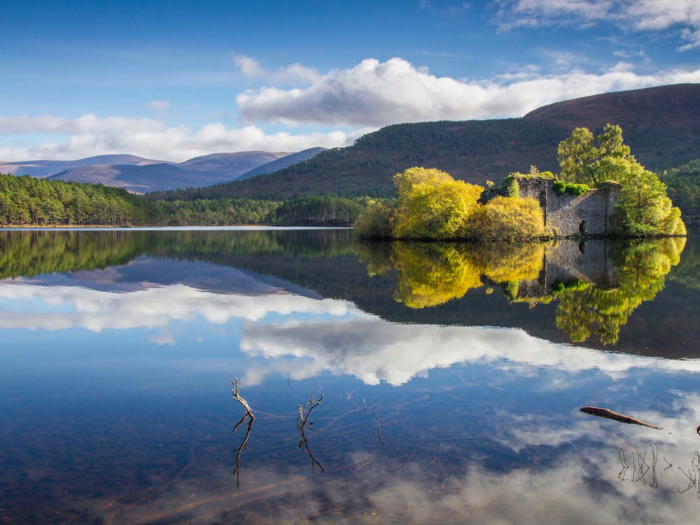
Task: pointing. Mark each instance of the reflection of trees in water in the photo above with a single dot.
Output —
(642, 268)
(29, 253)
(433, 274)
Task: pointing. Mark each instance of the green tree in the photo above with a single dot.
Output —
(577, 155)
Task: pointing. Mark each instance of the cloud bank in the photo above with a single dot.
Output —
(91, 135)
(357, 100)
(375, 93)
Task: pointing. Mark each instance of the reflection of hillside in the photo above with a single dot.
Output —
(557, 292)
(30, 253)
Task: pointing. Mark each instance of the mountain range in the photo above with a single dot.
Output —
(142, 175)
(661, 124)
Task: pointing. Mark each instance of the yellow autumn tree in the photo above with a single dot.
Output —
(432, 205)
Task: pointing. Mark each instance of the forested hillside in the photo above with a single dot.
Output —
(662, 125)
(42, 202)
(684, 189)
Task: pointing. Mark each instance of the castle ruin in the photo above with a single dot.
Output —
(572, 215)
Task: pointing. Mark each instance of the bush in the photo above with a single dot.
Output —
(513, 190)
(561, 187)
(376, 222)
(505, 218)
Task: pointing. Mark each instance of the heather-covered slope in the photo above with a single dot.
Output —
(662, 126)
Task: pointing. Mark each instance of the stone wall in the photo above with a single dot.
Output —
(564, 214)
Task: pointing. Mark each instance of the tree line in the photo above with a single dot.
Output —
(28, 201)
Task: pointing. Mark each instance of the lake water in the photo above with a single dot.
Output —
(452, 379)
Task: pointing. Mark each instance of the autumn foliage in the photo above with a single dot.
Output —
(434, 206)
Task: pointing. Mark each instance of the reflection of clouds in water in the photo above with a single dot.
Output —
(578, 488)
(148, 308)
(374, 350)
(575, 484)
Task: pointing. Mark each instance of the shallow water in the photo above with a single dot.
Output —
(452, 378)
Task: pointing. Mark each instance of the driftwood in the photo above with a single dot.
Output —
(609, 414)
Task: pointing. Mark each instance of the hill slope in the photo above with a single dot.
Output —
(662, 125)
(199, 171)
(45, 168)
(282, 163)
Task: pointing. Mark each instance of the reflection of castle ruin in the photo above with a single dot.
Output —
(569, 262)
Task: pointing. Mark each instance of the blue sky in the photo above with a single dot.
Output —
(172, 80)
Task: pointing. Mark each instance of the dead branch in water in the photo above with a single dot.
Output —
(380, 426)
(248, 415)
(609, 414)
(303, 423)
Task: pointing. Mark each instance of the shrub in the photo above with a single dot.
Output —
(506, 218)
(376, 222)
(561, 187)
(513, 190)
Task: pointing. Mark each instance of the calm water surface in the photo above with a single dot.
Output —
(452, 378)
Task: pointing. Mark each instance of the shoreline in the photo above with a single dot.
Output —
(26, 227)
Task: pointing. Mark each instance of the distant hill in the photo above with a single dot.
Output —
(156, 176)
(662, 125)
(282, 163)
(45, 168)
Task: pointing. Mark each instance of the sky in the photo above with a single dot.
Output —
(174, 80)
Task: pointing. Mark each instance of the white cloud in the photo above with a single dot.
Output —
(643, 15)
(91, 135)
(248, 66)
(361, 98)
(375, 93)
(158, 105)
(289, 75)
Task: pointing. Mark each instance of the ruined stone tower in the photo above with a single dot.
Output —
(571, 215)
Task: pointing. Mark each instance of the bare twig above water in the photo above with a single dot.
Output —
(303, 423)
(251, 417)
(643, 471)
(692, 475)
(237, 397)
